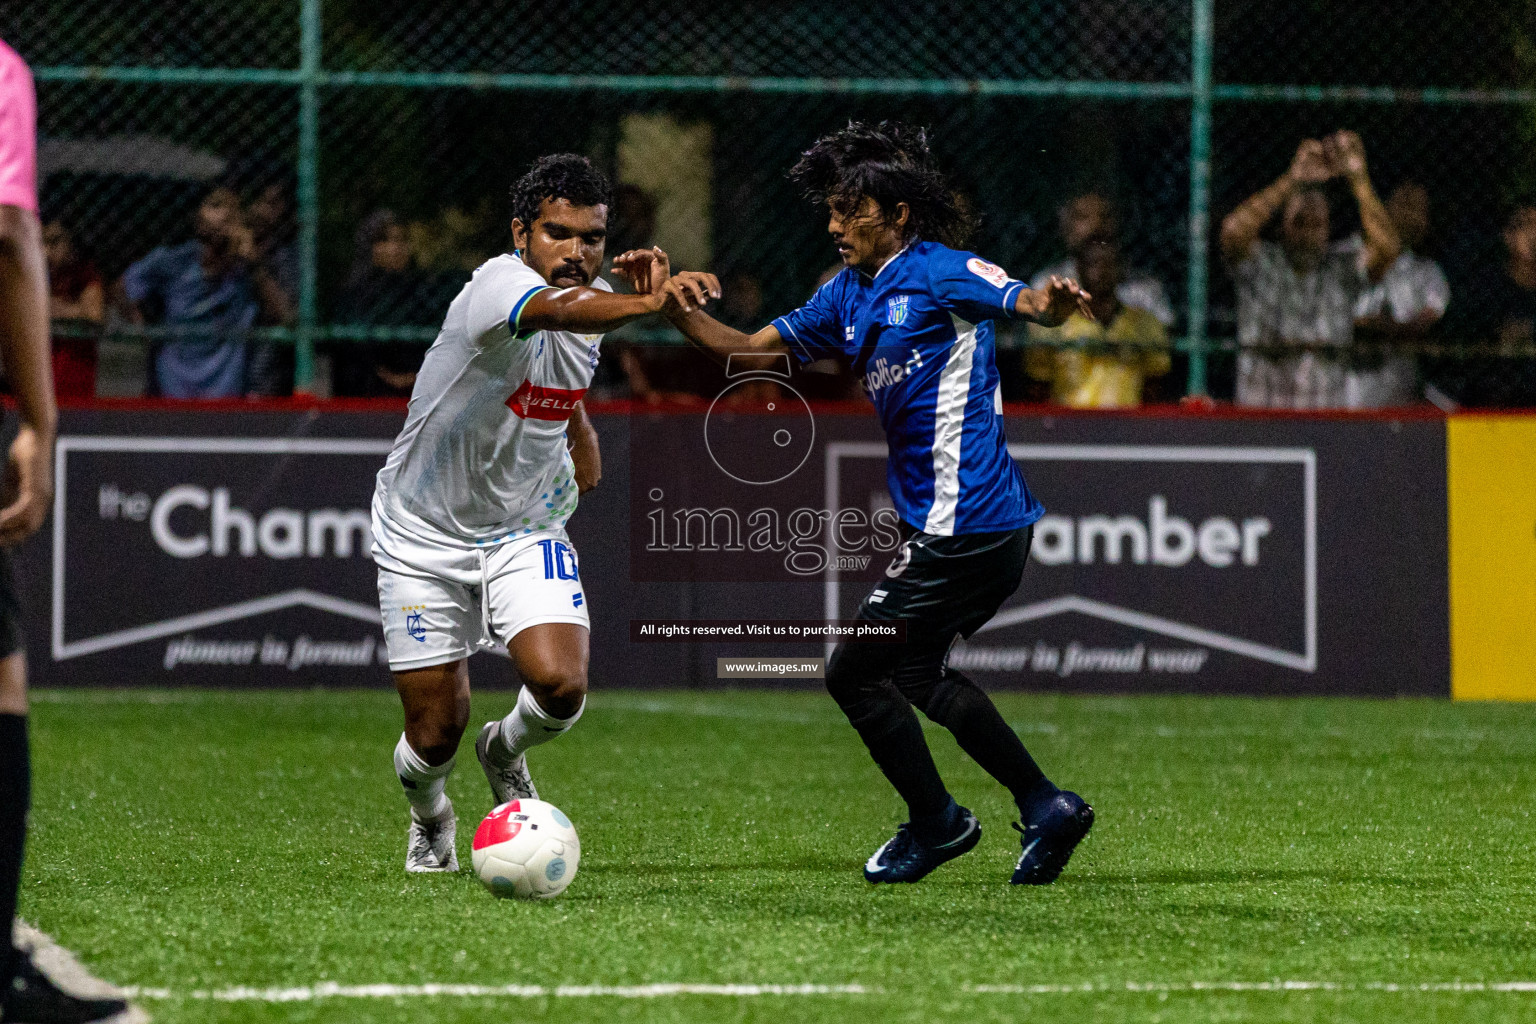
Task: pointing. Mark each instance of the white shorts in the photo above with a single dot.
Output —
(442, 600)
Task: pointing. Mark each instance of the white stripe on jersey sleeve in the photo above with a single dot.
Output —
(948, 428)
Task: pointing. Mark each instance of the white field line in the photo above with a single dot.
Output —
(1257, 986)
(332, 990)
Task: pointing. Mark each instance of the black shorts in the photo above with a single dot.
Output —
(10, 608)
(941, 586)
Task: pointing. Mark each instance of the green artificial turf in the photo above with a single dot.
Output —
(199, 841)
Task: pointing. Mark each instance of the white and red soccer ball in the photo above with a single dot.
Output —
(526, 849)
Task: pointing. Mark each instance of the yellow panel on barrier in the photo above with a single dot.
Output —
(1492, 466)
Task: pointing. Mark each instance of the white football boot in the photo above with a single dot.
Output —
(430, 845)
(509, 781)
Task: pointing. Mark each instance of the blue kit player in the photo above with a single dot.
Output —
(914, 318)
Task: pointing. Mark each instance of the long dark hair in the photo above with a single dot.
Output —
(890, 163)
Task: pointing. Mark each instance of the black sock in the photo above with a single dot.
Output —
(890, 729)
(858, 678)
(15, 793)
(939, 827)
(963, 708)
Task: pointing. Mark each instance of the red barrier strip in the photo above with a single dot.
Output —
(1217, 410)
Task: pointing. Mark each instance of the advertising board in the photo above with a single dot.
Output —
(1492, 467)
(1231, 554)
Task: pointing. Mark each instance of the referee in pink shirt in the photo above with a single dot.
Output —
(25, 994)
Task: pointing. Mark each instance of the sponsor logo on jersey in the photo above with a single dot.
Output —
(989, 272)
(536, 402)
(885, 373)
(896, 309)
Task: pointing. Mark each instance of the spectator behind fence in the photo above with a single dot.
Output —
(76, 306)
(1110, 356)
(270, 217)
(1089, 217)
(1398, 311)
(1510, 305)
(208, 292)
(1296, 298)
(384, 289)
(1496, 322)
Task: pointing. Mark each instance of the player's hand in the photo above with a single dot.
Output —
(1063, 297)
(29, 483)
(693, 289)
(1310, 165)
(634, 268)
(649, 272)
(646, 270)
(1346, 155)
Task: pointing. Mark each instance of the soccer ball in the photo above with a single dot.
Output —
(527, 849)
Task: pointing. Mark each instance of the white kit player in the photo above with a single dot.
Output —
(469, 511)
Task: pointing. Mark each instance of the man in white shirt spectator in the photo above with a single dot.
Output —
(1296, 297)
(1398, 310)
(1090, 218)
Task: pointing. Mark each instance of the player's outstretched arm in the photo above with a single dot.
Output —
(643, 268)
(702, 329)
(585, 310)
(24, 347)
(1050, 306)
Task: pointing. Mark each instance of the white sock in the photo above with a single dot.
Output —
(529, 725)
(423, 783)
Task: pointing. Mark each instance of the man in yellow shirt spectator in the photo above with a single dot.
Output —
(1100, 363)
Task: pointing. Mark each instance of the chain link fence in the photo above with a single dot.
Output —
(370, 146)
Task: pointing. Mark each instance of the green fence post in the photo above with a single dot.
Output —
(1199, 189)
(309, 193)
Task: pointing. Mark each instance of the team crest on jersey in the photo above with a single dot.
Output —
(896, 309)
(989, 272)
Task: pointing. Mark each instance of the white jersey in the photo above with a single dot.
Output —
(482, 457)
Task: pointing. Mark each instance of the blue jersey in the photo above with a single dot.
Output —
(919, 335)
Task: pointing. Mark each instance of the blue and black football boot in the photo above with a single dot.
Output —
(906, 858)
(1056, 825)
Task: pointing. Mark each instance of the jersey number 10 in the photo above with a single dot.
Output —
(559, 560)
